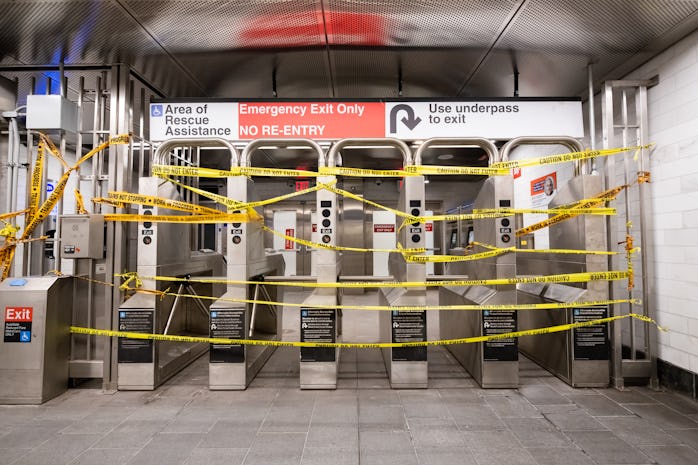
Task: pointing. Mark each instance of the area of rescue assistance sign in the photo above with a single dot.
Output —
(329, 120)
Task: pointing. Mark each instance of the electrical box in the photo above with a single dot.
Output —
(82, 236)
(51, 112)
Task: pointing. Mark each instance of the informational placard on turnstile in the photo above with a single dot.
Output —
(409, 326)
(136, 350)
(18, 324)
(499, 322)
(318, 325)
(590, 342)
(228, 323)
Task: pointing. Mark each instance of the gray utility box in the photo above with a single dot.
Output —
(82, 236)
(35, 348)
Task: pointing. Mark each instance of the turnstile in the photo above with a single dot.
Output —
(35, 349)
(234, 366)
(407, 367)
(579, 357)
(164, 250)
(320, 320)
(493, 364)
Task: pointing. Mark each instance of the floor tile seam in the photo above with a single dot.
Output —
(20, 457)
(627, 444)
(307, 434)
(261, 423)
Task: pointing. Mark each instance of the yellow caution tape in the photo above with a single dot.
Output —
(558, 278)
(39, 214)
(79, 203)
(237, 205)
(363, 172)
(565, 157)
(140, 199)
(54, 150)
(456, 258)
(551, 251)
(343, 193)
(576, 211)
(195, 219)
(37, 176)
(189, 171)
(319, 245)
(457, 170)
(352, 345)
(272, 172)
(9, 215)
(603, 197)
(543, 306)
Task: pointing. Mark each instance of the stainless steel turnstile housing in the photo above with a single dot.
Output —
(492, 364)
(579, 357)
(35, 348)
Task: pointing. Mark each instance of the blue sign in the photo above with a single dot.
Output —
(156, 110)
(122, 314)
(214, 314)
(25, 336)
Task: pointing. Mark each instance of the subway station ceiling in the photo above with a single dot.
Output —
(349, 48)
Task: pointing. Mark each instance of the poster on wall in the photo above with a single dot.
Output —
(543, 189)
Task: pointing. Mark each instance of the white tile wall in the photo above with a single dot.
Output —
(673, 126)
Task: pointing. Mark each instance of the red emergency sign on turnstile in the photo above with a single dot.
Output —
(314, 120)
(383, 228)
(19, 314)
(288, 245)
(429, 227)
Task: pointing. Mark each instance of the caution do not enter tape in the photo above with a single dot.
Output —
(352, 345)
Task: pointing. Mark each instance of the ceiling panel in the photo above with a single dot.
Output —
(189, 25)
(416, 23)
(349, 48)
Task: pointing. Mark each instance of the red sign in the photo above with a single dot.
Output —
(319, 120)
(545, 184)
(314, 227)
(288, 245)
(516, 172)
(20, 314)
(383, 228)
(429, 227)
(302, 185)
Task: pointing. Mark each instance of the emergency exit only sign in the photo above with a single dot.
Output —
(330, 120)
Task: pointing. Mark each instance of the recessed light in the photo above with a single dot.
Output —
(445, 156)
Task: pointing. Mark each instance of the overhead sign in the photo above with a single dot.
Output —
(330, 120)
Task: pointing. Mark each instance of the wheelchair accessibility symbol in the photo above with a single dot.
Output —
(156, 110)
(25, 336)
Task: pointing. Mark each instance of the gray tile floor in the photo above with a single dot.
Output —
(363, 422)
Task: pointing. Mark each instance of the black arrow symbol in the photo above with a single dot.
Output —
(411, 122)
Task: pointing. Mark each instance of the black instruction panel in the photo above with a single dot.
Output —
(499, 322)
(318, 325)
(136, 350)
(227, 323)
(590, 342)
(409, 326)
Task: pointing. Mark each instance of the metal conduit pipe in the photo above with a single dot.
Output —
(370, 142)
(163, 149)
(246, 158)
(569, 142)
(485, 144)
